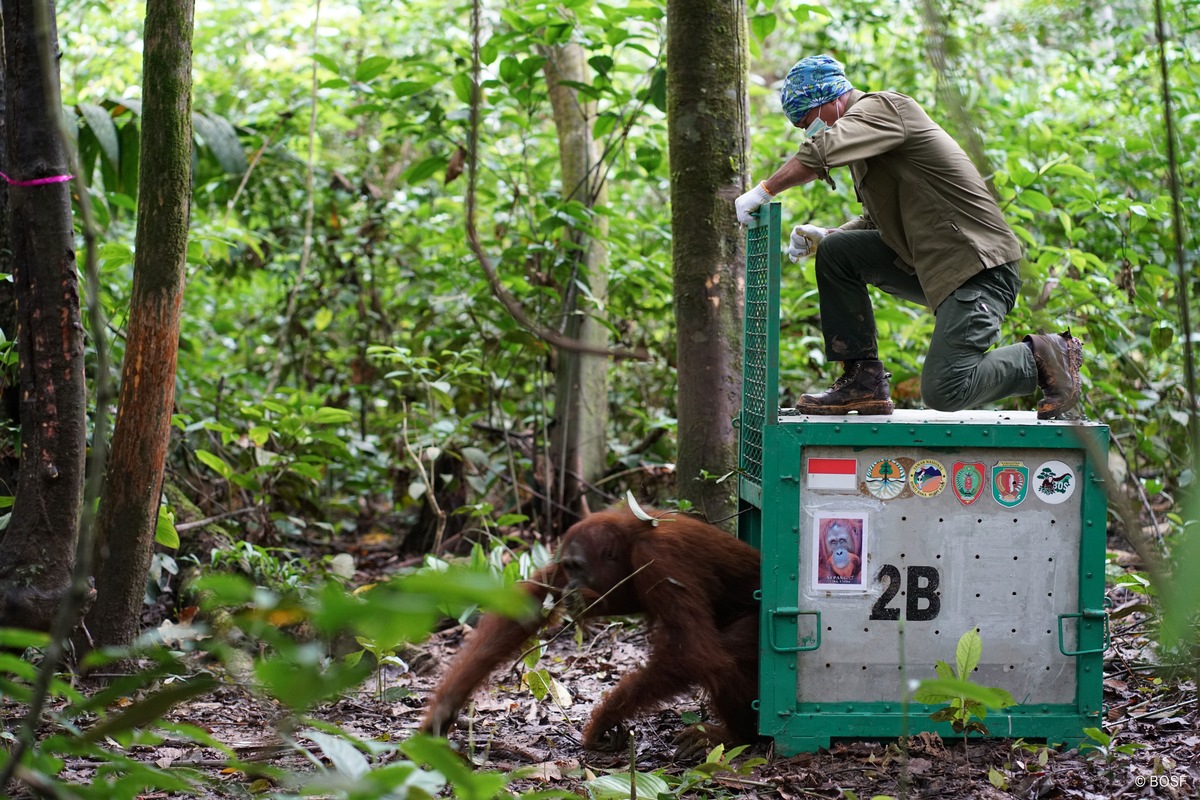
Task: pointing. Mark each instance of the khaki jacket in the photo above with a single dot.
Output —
(918, 188)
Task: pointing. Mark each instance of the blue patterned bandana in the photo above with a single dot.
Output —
(814, 80)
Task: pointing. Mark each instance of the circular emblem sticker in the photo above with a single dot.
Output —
(1054, 482)
(928, 477)
(885, 479)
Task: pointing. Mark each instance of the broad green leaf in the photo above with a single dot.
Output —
(967, 653)
(762, 25)
(407, 88)
(325, 415)
(604, 125)
(489, 51)
(620, 786)
(307, 470)
(164, 531)
(259, 434)
(19, 638)
(802, 12)
(104, 129)
(1036, 200)
(328, 63)
(222, 140)
(152, 708)
(462, 83)
(215, 463)
(425, 169)
(941, 690)
(347, 759)
(658, 90)
(435, 753)
(602, 64)
(371, 68)
(510, 70)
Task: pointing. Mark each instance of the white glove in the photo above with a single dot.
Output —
(805, 239)
(750, 201)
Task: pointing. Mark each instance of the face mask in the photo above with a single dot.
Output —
(818, 125)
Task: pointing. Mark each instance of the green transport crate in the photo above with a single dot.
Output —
(884, 539)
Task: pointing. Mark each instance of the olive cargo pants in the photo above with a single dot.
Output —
(960, 371)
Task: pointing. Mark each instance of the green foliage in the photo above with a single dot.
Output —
(968, 701)
(294, 670)
(1104, 746)
(394, 324)
(395, 354)
(695, 780)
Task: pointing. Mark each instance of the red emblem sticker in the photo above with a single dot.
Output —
(966, 479)
(1010, 482)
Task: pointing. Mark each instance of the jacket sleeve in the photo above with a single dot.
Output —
(862, 223)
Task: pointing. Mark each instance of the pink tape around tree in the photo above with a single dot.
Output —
(36, 181)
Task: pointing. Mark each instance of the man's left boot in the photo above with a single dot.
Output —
(862, 389)
(1058, 358)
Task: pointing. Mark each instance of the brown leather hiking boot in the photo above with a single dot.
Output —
(1058, 358)
(863, 388)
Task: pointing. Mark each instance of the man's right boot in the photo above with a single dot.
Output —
(1058, 358)
(863, 388)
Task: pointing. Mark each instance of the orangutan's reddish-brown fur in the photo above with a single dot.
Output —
(695, 584)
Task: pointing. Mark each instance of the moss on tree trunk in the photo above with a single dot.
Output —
(706, 117)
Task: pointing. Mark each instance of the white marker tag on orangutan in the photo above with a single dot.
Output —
(637, 510)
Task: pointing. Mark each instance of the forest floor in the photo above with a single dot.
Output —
(511, 732)
(1155, 724)
(1152, 717)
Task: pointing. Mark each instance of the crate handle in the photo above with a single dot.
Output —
(793, 612)
(1087, 613)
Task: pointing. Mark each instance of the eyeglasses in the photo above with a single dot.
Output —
(808, 118)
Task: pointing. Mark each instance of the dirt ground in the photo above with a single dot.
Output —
(510, 732)
(1152, 717)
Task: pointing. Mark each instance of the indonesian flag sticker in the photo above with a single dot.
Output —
(833, 474)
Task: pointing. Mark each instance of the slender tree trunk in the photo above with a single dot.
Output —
(707, 128)
(580, 440)
(133, 483)
(9, 396)
(38, 549)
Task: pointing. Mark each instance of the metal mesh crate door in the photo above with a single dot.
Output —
(760, 351)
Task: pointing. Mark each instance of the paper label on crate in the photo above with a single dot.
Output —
(966, 479)
(885, 478)
(1054, 482)
(1010, 482)
(839, 551)
(928, 478)
(833, 474)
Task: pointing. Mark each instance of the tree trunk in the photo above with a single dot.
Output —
(9, 391)
(579, 446)
(133, 483)
(707, 129)
(38, 550)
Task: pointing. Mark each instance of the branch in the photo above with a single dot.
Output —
(510, 303)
